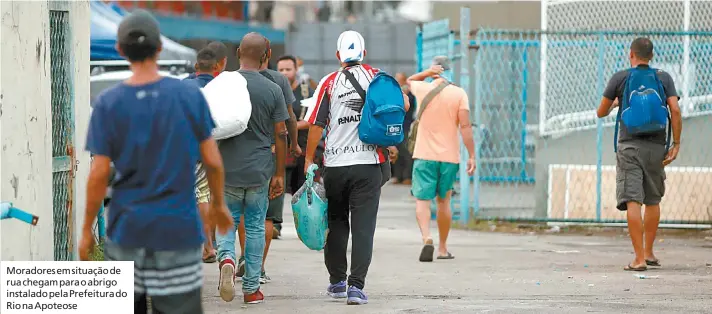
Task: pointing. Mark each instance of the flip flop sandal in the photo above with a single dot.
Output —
(639, 268)
(212, 258)
(426, 254)
(653, 262)
(448, 256)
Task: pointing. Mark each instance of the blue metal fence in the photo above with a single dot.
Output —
(529, 89)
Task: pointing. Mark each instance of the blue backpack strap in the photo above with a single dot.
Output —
(621, 106)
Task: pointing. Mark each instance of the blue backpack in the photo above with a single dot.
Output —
(383, 110)
(643, 109)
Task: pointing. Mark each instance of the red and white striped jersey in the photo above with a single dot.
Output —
(338, 110)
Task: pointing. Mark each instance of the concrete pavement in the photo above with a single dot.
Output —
(492, 273)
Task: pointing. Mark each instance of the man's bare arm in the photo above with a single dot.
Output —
(214, 170)
(421, 76)
(463, 118)
(292, 125)
(606, 106)
(314, 137)
(675, 119)
(303, 125)
(96, 189)
(280, 147)
(407, 102)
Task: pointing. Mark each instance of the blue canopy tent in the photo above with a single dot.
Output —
(104, 24)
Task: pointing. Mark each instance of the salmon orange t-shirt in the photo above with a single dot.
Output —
(438, 132)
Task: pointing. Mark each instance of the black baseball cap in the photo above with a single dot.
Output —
(139, 27)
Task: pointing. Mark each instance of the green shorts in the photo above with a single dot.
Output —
(433, 178)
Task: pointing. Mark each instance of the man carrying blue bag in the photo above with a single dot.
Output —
(647, 99)
(309, 205)
(353, 172)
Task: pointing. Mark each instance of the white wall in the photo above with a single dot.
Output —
(26, 122)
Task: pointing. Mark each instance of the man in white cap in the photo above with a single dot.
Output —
(352, 175)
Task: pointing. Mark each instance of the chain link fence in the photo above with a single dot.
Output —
(62, 134)
(542, 154)
(676, 27)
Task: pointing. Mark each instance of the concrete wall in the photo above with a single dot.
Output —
(26, 122)
(580, 148)
(390, 47)
(491, 14)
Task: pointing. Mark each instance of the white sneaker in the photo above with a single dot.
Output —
(226, 283)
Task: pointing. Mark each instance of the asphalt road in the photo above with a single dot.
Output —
(492, 273)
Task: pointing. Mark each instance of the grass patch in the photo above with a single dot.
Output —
(97, 254)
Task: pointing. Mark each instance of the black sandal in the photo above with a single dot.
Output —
(426, 254)
(639, 268)
(653, 262)
(448, 256)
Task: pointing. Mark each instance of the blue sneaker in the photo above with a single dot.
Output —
(356, 296)
(337, 290)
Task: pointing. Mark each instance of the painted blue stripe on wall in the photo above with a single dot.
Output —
(185, 28)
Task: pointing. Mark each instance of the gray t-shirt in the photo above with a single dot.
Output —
(615, 88)
(283, 83)
(248, 157)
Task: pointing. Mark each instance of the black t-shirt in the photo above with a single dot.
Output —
(615, 89)
(300, 111)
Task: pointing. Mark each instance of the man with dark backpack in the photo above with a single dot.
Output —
(444, 114)
(647, 99)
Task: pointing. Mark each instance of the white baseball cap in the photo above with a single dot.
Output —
(350, 46)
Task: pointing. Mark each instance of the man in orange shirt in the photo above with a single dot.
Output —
(444, 112)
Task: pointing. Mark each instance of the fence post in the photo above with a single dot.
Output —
(599, 124)
(464, 84)
(419, 49)
(542, 69)
(687, 104)
(525, 74)
(477, 126)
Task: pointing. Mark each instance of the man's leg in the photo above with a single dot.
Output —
(241, 240)
(209, 255)
(274, 216)
(364, 198)
(629, 194)
(424, 189)
(635, 229)
(337, 239)
(405, 162)
(654, 189)
(444, 218)
(183, 303)
(446, 179)
(235, 199)
(652, 220)
(256, 202)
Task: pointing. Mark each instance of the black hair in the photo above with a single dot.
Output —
(642, 47)
(220, 50)
(288, 57)
(352, 63)
(137, 49)
(206, 60)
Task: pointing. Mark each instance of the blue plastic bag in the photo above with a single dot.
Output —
(309, 209)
